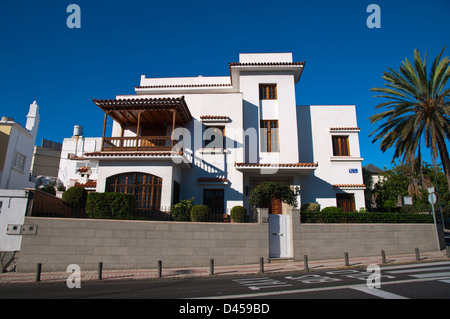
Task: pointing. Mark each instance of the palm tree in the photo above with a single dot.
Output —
(418, 107)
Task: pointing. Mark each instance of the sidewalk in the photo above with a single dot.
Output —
(273, 267)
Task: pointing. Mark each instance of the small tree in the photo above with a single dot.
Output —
(261, 195)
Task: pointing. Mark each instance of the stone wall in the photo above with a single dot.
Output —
(60, 242)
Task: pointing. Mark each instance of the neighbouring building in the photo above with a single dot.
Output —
(45, 162)
(216, 138)
(16, 150)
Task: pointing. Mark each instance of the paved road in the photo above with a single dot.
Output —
(413, 281)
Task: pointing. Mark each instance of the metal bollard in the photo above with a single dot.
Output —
(100, 270)
(448, 251)
(211, 267)
(38, 272)
(417, 254)
(261, 265)
(383, 257)
(159, 268)
(305, 262)
(346, 260)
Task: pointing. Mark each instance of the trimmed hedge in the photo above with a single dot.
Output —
(110, 205)
(200, 213)
(238, 214)
(362, 218)
(181, 212)
(75, 196)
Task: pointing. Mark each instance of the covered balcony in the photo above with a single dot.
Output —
(146, 124)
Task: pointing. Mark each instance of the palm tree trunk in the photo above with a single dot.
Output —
(444, 158)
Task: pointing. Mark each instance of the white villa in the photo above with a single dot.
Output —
(216, 138)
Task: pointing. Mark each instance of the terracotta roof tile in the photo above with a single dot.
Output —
(345, 129)
(214, 117)
(182, 86)
(276, 165)
(349, 185)
(212, 180)
(267, 63)
(89, 184)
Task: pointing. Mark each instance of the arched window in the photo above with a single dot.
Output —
(146, 188)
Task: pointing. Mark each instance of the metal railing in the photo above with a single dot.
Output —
(63, 210)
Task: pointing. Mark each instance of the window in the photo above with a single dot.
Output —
(346, 202)
(214, 199)
(145, 188)
(268, 92)
(214, 137)
(340, 146)
(269, 136)
(19, 161)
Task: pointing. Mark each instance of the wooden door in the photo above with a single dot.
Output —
(275, 206)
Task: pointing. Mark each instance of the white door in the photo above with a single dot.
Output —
(279, 236)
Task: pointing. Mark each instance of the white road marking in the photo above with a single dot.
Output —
(378, 293)
(418, 270)
(299, 291)
(434, 274)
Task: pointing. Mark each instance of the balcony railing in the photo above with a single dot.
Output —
(137, 143)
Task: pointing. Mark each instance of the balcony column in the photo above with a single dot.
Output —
(104, 129)
(173, 126)
(138, 129)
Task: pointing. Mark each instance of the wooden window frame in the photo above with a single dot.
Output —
(146, 188)
(270, 141)
(268, 92)
(341, 145)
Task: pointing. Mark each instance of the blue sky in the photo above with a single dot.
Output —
(64, 69)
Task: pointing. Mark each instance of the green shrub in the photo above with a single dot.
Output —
(181, 212)
(200, 213)
(49, 189)
(369, 217)
(75, 196)
(238, 214)
(110, 205)
(310, 207)
(261, 195)
(331, 209)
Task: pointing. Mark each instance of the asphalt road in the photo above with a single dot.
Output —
(414, 281)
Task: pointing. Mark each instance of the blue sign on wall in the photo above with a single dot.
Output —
(353, 170)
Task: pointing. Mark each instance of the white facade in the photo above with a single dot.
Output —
(16, 150)
(301, 153)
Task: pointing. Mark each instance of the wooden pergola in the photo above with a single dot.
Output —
(155, 113)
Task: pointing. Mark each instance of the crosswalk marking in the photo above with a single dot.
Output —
(417, 270)
(378, 293)
(431, 275)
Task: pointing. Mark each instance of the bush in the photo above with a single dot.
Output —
(261, 195)
(369, 217)
(75, 196)
(181, 212)
(200, 213)
(110, 205)
(310, 207)
(331, 209)
(49, 189)
(238, 214)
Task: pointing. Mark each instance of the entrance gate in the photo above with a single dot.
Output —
(279, 236)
